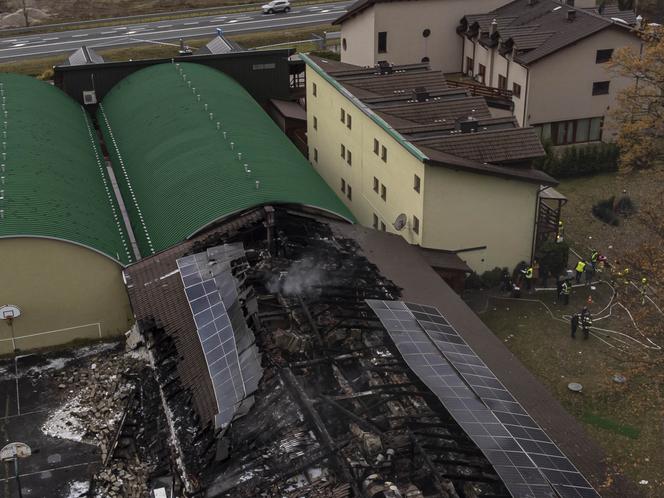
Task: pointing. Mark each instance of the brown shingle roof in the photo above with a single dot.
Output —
(509, 145)
(438, 111)
(540, 29)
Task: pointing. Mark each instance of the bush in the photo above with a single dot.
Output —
(326, 54)
(492, 278)
(625, 206)
(578, 160)
(604, 211)
(473, 281)
(552, 257)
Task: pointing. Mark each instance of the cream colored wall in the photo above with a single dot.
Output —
(404, 23)
(471, 210)
(397, 174)
(519, 75)
(359, 32)
(561, 84)
(58, 285)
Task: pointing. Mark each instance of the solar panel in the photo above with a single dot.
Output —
(515, 468)
(228, 344)
(558, 469)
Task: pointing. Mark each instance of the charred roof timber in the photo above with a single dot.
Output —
(421, 94)
(385, 67)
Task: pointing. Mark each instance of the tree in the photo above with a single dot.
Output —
(640, 112)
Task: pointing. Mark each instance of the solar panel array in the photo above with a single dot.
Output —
(524, 457)
(232, 358)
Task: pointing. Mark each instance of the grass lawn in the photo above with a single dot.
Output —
(626, 419)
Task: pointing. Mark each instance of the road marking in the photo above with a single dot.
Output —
(190, 23)
(130, 32)
(19, 45)
(220, 18)
(165, 26)
(123, 27)
(232, 20)
(325, 11)
(79, 36)
(109, 32)
(50, 39)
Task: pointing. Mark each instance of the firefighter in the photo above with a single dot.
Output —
(594, 256)
(580, 268)
(586, 322)
(644, 290)
(565, 291)
(574, 322)
(529, 273)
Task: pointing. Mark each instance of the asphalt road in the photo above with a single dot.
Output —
(45, 44)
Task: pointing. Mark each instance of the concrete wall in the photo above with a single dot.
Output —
(457, 210)
(470, 210)
(397, 174)
(58, 285)
(561, 84)
(404, 23)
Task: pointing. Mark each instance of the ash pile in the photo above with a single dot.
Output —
(337, 413)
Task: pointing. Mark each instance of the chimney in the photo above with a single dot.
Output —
(571, 15)
(494, 27)
(421, 94)
(639, 22)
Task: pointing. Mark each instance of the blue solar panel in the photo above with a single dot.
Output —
(480, 404)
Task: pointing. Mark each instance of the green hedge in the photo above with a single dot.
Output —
(579, 160)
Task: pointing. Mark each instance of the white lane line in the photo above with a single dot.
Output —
(295, 20)
(19, 45)
(79, 36)
(216, 18)
(165, 26)
(232, 20)
(190, 23)
(122, 27)
(325, 11)
(50, 39)
(109, 32)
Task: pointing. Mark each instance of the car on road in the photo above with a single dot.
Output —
(276, 6)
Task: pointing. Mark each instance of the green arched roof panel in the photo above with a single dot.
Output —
(54, 183)
(177, 172)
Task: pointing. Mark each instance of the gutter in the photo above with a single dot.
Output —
(366, 110)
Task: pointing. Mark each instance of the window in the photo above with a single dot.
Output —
(343, 151)
(349, 121)
(382, 226)
(349, 157)
(481, 71)
(383, 153)
(375, 185)
(570, 132)
(416, 183)
(516, 90)
(315, 155)
(315, 123)
(314, 89)
(382, 42)
(376, 146)
(600, 88)
(343, 116)
(470, 66)
(344, 45)
(425, 59)
(603, 55)
(343, 185)
(349, 193)
(426, 33)
(416, 224)
(383, 192)
(502, 82)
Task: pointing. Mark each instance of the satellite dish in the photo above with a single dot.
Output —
(9, 311)
(400, 222)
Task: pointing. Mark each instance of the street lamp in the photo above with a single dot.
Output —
(14, 451)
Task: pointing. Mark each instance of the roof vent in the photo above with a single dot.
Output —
(421, 94)
(494, 27)
(571, 15)
(385, 67)
(469, 125)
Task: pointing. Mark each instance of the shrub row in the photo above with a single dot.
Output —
(579, 160)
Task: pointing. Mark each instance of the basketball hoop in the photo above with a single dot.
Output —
(8, 312)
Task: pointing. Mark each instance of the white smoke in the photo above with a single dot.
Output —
(304, 277)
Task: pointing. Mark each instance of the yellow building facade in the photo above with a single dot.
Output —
(489, 220)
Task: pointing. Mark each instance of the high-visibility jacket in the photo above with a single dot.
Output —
(581, 266)
(593, 256)
(565, 288)
(529, 272)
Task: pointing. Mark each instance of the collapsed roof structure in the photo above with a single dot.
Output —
(342, 406)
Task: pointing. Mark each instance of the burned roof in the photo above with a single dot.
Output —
(537, 29)
(447, 124)
(338, 411)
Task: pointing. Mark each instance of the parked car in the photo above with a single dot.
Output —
(276, 6)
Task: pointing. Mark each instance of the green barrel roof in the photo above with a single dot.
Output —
(177, 172)
(54, 183)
